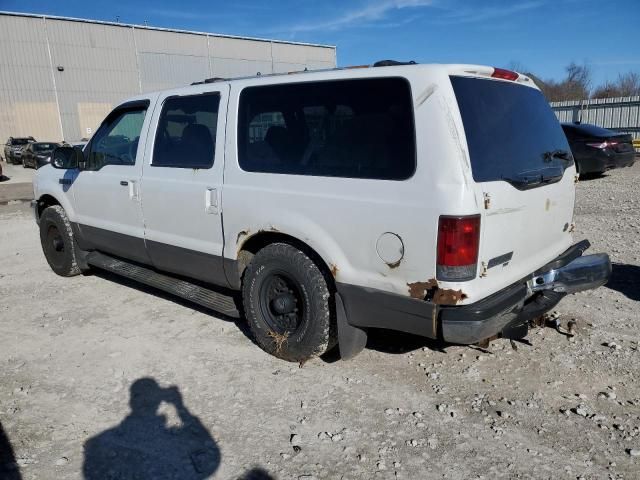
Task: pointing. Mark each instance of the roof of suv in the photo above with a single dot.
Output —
(359, 71)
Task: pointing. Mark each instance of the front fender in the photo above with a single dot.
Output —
(57, 184)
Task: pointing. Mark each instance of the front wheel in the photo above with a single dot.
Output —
(56, 237)
(286, 302)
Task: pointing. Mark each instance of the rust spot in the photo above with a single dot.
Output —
(394, 264)
(439, 296)
(448, 297)
(241, 233)
(334, 270)
(487, 201)
(420, 289)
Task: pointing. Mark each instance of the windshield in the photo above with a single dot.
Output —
(512, 133)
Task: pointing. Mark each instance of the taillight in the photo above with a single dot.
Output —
(504, 74)
(458, 242)
(602, 145)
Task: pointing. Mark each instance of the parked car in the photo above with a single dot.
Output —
(596, 149)
(431, 199)
(38, 154)
(13, 148)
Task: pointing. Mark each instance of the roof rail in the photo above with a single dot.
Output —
(392, 63)
(210, 80)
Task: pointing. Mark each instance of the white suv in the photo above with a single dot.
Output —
(430, 199)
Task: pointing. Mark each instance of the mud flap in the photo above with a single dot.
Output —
(351, 340)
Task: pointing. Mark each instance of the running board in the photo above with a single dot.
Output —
(181, 288)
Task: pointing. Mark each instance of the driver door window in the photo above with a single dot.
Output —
(116, 142)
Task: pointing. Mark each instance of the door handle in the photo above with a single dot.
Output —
(211, 201)
(124, 183)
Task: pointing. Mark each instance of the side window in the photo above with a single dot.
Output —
(343, 128)
(186, 135)
(116, 141)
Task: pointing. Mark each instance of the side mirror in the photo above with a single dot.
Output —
(66, 158)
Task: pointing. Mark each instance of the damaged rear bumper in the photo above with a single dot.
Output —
(506, 312)
(509, 311)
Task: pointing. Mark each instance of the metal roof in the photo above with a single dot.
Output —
(161, 29)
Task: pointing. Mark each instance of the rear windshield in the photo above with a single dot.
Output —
(511, 131)
(21, 141)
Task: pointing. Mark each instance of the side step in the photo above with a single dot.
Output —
(181, 288)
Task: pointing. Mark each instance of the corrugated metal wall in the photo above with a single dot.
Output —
(59, 77)
(621, 114)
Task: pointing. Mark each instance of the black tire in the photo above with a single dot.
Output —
(56, 238)
(277, 275)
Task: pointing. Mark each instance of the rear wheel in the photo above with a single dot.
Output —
(56, 237)
(286, 302)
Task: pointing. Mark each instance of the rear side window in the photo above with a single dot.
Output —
(186, 135)
(345, 128)
(511, 131)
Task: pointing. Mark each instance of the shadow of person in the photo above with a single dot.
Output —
(256, 474)
(144, 445)
(625, 279)
(8, 467)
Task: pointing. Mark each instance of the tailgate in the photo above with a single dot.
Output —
(521, 162)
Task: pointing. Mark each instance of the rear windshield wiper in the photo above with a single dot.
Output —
(535, 178)
(523, 181)
(561, 154)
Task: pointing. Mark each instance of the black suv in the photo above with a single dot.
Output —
(13, 148)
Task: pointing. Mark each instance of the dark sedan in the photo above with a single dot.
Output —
(596, 149)
(37, 154)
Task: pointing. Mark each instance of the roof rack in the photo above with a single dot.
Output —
(381, 63)
(210, 80)
(392, 63)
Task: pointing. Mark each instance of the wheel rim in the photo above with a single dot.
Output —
(281, 303)
(54, 243)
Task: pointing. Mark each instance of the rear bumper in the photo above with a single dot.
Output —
(506, 312)
(602, 160)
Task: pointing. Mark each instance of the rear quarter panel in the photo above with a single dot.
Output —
(342, 219)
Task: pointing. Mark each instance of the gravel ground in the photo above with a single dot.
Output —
(104, 379)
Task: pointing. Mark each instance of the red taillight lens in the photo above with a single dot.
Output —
(504, 74)
(602, 145)
(458, 242)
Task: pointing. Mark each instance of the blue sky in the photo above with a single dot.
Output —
(541, 35)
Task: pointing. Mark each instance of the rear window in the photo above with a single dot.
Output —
(186, 136)
(511, 131)
(345, 128)
(21, 141)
